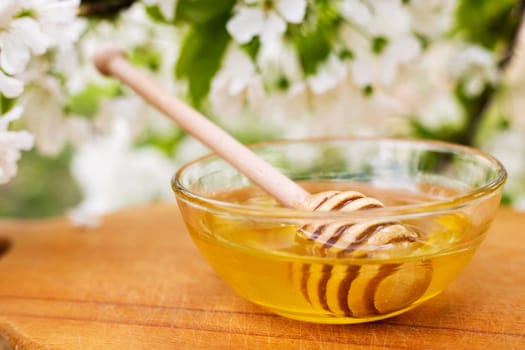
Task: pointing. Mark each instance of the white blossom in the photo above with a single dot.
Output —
(134, 29)
(188, 150)
(346, 110)
(390, 19)
(11, 144)
(263, 19)
(8, 10)
(235, 85)
(370, 68)
(139, 116)
(432, 18)
(44, 112)
(442, 110)
(387, 26)
(425, 79)
(377, 76)
(57, 20)
(278, 62)
(9, 86)
(399, 52)
(476, 67)
(244, 88)
(519, 202)
(509, 147)
(19, 37)
(328, 75)
(356, 11)
(113, 174)
(23, 35)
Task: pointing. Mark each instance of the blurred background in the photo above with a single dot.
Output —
(75, 143)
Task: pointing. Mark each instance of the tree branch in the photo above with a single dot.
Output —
(484, 100)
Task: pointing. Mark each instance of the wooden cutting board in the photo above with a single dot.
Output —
(138, 282)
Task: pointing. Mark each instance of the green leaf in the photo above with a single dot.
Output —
(146, 56)
(314, 37)
(487, 22)
(86, 103)
(201, 12)
(201, 55)
(507, 198)
(252, 48)
(313, 48)
(450, 133)
(255, 133)
(155, 14)
(6, 104)
(166, 143)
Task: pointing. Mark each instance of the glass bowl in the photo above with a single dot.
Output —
(444, 193)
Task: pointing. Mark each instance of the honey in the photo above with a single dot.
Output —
(264, 261)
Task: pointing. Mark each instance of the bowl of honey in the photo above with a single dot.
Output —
(445, 195)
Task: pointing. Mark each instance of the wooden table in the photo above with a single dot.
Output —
(138, 282)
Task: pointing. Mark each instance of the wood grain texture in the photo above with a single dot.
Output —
(138, 282)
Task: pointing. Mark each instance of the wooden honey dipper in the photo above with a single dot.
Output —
(338, 238)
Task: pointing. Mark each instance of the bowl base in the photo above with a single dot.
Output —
(334, 319)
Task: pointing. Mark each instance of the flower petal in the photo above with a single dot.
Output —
(274, 26)
(8, 8)
(398, 52)
(13, 114)
(292, 11)
(14, 55)
(28, 31)
(356, 11)
(246, 24)
(167, 7)
(21, 140)
(404, 49)
(58, 21)
(57, 11)
(328, 75)
(362, 73)
(10, 87)
(11, 143)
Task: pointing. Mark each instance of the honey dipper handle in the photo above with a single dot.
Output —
(112, 61)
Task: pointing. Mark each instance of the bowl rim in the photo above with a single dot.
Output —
(394, 211)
